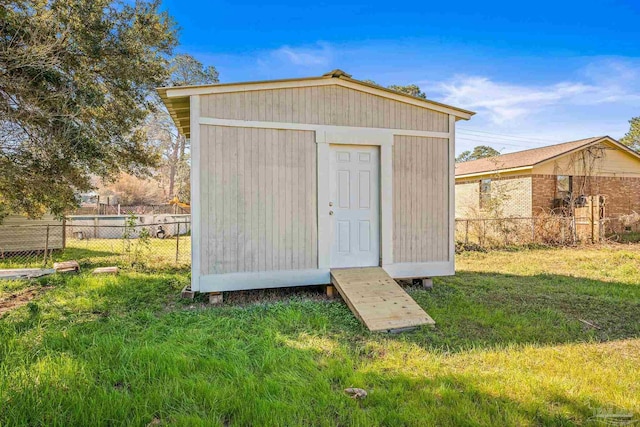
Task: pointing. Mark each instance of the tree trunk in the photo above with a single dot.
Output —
(177, 152)
(172, 179)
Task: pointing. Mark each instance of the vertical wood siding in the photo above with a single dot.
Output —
(17, 234)
(420, 199)
(323, 105)
(258, 199)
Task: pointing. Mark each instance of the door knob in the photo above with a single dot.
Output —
(330, 212)
(330, 204)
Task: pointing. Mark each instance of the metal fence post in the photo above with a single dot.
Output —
(64, 233)
(484, 233)
(46, 248)
(178, 243)
(533, 229)
(593, 219)
(466, 232)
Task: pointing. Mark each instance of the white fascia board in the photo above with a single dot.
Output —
(452, 189)
(329, 133)
(195, 194)
(263, 280)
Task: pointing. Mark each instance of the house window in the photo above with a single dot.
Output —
(485, 193)
(564, 186)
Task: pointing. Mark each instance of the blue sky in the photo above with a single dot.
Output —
(535, 72)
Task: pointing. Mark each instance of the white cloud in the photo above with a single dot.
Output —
(597, 99)
(505, 101)
(306, 57)
(501, 102)
(291, 61)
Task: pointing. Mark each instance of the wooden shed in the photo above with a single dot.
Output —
(293, 178)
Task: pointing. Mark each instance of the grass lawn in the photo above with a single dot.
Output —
(536, 337)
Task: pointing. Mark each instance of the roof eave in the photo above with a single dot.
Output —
(494, 172)
(182, 123)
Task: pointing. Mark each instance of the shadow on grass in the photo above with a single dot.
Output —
(147, 263)
(487, 309)
(35, 260)
(82, 253)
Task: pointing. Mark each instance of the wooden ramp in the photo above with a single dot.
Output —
(377, 300)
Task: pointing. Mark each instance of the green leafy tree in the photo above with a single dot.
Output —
(172, 147)
(75, 79)
(413, 90)
(479, 152)
(632, 138)
(187, 70)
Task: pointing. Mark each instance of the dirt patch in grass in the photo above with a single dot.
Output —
(256, 297)
(21, 298)
(295, 293)
(274, 295)
(265, 296)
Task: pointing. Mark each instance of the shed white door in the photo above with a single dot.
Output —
(355, 203)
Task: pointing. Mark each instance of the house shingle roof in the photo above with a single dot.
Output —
(521, 158)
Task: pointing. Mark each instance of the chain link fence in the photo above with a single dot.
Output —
(552, 230)
(99, 242)
(105, 209)
(165, 242)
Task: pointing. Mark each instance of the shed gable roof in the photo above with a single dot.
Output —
(532, 157)
(177, 98)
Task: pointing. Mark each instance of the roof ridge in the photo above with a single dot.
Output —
(591, 139)
(337, 73)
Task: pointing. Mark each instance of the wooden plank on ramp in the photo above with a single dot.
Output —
(377, 300)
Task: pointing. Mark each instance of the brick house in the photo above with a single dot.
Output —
(549, 179)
